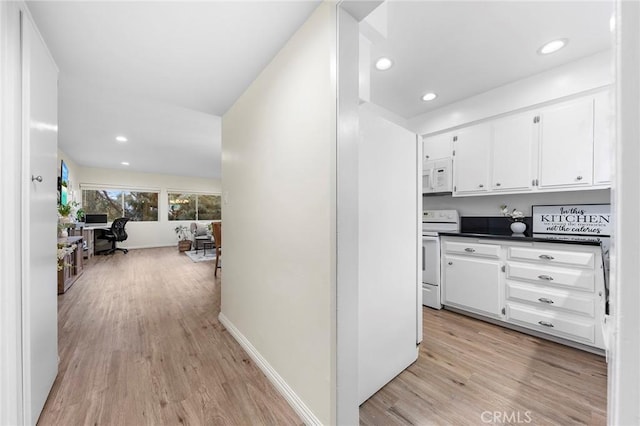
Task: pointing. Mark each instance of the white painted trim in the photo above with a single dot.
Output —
(624, 368)
(278, 382)
(25, 226)
(11, 402)
(347, 218)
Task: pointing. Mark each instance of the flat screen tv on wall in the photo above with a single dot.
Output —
(64, 183)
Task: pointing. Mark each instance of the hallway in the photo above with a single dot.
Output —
(140, 343)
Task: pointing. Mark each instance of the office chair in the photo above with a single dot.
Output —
(116, 233)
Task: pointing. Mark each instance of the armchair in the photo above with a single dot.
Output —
(200, 235)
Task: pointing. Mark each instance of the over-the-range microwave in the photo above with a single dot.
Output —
(437, 176)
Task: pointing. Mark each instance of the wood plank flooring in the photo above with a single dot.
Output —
(470, 373)
(140, 344)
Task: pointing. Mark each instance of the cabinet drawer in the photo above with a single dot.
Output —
(582, 279)
(473, 248)
(550, 257)
(563, 325)
(551, 298)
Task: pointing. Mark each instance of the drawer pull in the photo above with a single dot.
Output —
(546, 257)
(545, 300)
(545, 323)
(545, 277)
(470, 250)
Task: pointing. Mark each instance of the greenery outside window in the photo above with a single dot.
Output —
(186, 206)
(139, 206)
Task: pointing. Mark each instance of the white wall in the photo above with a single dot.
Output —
(278, 173)
(146, 234)
(489, 205)
(570, 79)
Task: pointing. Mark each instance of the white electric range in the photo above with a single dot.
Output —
(433, 222)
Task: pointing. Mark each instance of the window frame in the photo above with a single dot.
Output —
(197, 195)
(123, 190)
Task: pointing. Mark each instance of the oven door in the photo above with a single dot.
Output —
(431, 272)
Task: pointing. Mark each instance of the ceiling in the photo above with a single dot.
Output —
(160, 73)
(458, 49)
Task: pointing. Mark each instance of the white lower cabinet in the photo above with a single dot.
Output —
(571, 327)
(473, 283)
(552, 288)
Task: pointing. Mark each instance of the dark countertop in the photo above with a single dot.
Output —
(526, 237)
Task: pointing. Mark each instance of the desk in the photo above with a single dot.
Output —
(72, 264)
(88, 231)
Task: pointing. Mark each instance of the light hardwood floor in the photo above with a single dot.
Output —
(471, 373)
(140, 344)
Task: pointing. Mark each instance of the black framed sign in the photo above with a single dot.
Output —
(573, 219)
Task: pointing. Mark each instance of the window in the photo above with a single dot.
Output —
(185, 206)
(136, 205)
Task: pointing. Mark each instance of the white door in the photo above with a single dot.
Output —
(512, 152)
(471, 159)
(389, 220)
(39, 287)
(566, 144)
(437, 147)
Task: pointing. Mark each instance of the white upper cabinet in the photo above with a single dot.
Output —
(471, 159)
(566, 144)
(513, 149)
(602, 146)
(437, 147)
(561, 147)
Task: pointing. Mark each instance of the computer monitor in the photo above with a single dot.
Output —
(95, 218)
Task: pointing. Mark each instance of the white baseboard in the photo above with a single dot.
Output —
(285, 390)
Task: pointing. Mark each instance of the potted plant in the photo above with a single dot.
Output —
(184, 238)
(516, 217)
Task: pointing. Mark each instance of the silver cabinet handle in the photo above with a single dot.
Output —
(545, 300)
(533, 182)
(36, 178)
(546, 257)
(497, 183)
(579, 178)
(470, 250)
(426, 156)
(423, 265)
(545, 323)
(450, 263)
(481, 186)
(545, 277)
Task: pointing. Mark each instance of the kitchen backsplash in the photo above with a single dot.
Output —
(495, 225)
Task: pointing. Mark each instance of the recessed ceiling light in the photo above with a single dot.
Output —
(121, 139)
(384, 64)
(125, 163)
(429, 96)
(553, 46)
